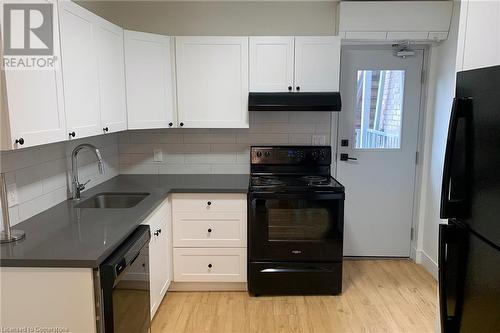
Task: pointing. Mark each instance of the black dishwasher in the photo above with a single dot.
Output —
(124, 286)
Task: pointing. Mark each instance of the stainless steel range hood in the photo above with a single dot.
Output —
(290, 101)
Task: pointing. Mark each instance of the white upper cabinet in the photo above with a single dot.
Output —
(32, 109)
(297, 64)
(212, 82)
(111, 76)
(150, 80)
(271, 64)
(80, 76)
(479, 34)
(317, 63)
(395, 20)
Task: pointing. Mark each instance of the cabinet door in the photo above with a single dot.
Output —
(159, 255)
(482, 35)
(317, 63)
(271, 64)
(149, 75)
(111, 76)
(35, 105)
(79, 62)
(212, 81)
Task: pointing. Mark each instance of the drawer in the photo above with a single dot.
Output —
(210, 264)
(228, 230)
(209, 202)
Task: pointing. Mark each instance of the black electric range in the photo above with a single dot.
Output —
(296, 218)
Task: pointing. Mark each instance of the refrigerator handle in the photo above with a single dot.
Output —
(454, 207)
(451, 260)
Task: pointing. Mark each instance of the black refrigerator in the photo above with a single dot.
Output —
(469, 245)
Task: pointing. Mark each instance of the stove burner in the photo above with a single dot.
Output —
(269, 181)
(315, 179)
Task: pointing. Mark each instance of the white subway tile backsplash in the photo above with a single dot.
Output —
(227, 158)
(269, 116)
(42, 175)
(30, 208)
(300, 139)
(263, 138)
(29, 183)
(53, 175)
(190, 150)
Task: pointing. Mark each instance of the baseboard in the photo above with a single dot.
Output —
(430, 265)
(208, 286)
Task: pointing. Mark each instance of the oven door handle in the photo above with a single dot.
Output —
(294, 270)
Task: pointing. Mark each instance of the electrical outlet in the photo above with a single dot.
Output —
(12, 194)
(157, 155)
(318, 140)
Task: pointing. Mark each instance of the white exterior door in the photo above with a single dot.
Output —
(111, 76)
(317, 63)
(150, 80)
(271, 64)
(212, 82)
(79, 62)
(378, 131)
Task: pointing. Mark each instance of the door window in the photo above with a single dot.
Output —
(378, 109)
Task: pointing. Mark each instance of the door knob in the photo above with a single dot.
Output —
(345, 157)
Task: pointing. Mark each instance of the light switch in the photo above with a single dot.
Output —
(157, 155)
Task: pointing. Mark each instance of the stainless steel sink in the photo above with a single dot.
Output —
(113, 200)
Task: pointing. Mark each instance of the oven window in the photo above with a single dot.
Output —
(300, 219)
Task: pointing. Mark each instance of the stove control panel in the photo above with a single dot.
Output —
(291, 155)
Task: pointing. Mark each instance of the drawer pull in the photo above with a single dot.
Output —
(209, 203)
(209, 265)
(209, 230)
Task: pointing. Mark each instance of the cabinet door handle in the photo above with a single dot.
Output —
(297, 88)
(290, 88)
(182, 124)
(209, 203)
(209, 230)
(170, 124)
(209, 265)
(72, 134)
(20, 141)
(106, 129)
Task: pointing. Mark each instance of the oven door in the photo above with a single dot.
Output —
(296, 227)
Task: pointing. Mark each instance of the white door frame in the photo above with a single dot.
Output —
(335, 123)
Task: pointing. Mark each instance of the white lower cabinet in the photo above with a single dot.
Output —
(160, 254)
(210, 238)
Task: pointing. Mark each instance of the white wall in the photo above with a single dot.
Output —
(219, 151)
(42, 174)
(221, 18)
(441, 90)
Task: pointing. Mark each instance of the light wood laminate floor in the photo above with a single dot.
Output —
(378, 296)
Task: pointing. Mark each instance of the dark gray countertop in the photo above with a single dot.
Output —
(64, 236)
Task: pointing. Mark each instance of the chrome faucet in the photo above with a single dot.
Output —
(77, 187)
